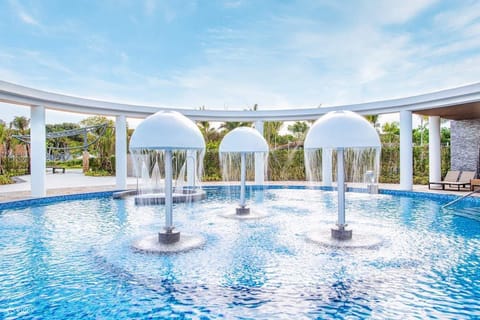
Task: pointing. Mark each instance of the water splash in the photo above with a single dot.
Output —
(360, 163)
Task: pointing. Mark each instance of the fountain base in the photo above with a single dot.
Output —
(244, 214)
(169, 236)
(242, 211)
(158, 198)
(367, 239)
(151, 244)
(340, 233)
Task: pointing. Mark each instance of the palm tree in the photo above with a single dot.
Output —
(299, 129)
(208, 132)
(3, 132)
(391, 133)
(373, 119)
(105, 146)
(423, 126)
(230, 125)
(271, 131)
(21, 125)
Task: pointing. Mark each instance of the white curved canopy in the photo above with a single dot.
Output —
(243, 139)
(167, 130)
(464, 96)
(341, 129)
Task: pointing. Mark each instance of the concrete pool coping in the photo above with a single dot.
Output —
(74, 182)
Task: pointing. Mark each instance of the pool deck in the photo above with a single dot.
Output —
(73, 181)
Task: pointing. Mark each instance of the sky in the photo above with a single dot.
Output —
(232, 54)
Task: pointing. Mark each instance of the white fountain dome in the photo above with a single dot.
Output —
(243, 139)
(167, 130)
(341, 129)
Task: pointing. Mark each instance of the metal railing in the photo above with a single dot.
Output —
(459, 199)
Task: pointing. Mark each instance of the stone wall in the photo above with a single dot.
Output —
(465, 144)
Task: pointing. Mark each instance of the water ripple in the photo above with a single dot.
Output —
(60, 263)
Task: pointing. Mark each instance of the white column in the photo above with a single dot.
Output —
(434, 157)
(191, 165)
(259, 158)
(327, 167)
(406, 151)
(121, 151)
(38, 151)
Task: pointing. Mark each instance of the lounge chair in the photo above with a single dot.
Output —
(464, 180)
(450, 178)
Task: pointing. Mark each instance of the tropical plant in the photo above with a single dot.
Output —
(299, 130)
(208, 132)
(230, 125)
(271, 130)
(373, 119)
(3, 131)
(104, 148)
(390, 133)
(21, 124)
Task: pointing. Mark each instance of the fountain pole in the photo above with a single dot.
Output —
(242, 180)
(340, 233)
(243, 172)
(341, 188)
(168, 190)
(169, 235)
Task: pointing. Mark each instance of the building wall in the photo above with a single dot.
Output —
(465, 144)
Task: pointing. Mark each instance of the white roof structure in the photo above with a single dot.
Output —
(167, 130)
(341, 129)
(457, 103)
(243, 139)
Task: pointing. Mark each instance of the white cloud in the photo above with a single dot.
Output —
(22, 14)
(233, 3)
(45, 61)
(468, 14)
(27, 18)
(394, 11)
(287, 61)
(150, 6)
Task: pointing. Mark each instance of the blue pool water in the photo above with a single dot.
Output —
(73, 260)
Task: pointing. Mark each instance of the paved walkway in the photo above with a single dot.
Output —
(70, 182)
(73, 181)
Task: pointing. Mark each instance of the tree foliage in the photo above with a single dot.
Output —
(299, 130)
(284, 163)
(104, 148)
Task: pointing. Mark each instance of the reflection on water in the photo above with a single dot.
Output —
(74, 260)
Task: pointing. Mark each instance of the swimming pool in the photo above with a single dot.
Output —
(73, 259)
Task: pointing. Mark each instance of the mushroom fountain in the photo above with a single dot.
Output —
(342, 132)
(242, 144)
(166, 136)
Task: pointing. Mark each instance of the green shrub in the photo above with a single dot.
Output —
(211, 166)
(69, 164)
(5, 179)
(97, 173)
